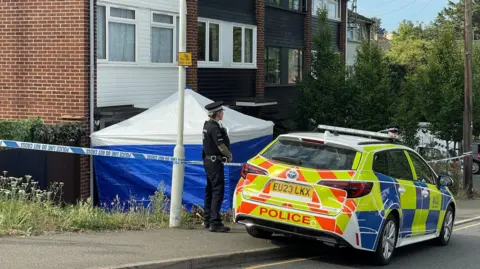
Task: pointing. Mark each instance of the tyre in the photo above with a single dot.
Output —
(386, 242)
(475, 167)
(447, 228)
(258, 233)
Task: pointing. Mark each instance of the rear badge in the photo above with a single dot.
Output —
(292, 174)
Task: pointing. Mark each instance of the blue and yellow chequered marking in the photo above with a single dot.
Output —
(419, 215)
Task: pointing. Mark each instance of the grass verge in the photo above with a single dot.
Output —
(27, 210)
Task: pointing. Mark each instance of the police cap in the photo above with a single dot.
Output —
(392, 128)
(214, 107)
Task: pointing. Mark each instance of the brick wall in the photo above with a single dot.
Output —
(342, 33)
(307, 52)
(44, 64)
(260, 76)
(192, 44)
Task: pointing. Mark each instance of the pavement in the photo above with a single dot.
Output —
(94, 250)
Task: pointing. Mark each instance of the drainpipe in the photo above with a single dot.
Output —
(92, 88)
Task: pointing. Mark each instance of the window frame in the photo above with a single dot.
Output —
(174, 26)
(207, 62)
(324, 4)
(109, 19)
(242, 63)
(422, 161)
(266, 66)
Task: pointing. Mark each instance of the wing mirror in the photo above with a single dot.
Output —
(445, 180)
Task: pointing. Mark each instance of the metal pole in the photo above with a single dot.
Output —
(467, 119)
(179, 151)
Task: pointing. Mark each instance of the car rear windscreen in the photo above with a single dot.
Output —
(311, 155)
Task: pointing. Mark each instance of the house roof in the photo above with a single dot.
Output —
(359, 17)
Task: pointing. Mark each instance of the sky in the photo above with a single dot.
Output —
(392, 12)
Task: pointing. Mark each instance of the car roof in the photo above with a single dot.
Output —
(351, 141)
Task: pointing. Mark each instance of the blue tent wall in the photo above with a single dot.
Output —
(141, 178)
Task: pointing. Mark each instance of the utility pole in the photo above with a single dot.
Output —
(467, 117)
(178, 171)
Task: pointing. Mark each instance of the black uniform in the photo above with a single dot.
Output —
(213, 136)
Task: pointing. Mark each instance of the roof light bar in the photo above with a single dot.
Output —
(355, 132)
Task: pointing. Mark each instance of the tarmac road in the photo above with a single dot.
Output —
(462, 252)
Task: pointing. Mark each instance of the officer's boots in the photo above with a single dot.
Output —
(219, 228)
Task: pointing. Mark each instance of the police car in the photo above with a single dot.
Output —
(345, 187)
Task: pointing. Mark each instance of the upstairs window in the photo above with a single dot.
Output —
(163, 40)
(332, 6)
(208, 41)
(243, 45)
(116, 34)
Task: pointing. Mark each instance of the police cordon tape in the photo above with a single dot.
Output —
(98, 152)
(129, 155)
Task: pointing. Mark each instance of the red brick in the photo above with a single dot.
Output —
(260, 73)
(45, 62)
(192, 44)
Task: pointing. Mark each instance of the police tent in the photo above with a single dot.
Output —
(155, 132)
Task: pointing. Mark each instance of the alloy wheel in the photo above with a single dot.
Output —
(388, 243)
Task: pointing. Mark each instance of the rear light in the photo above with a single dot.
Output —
(250, 169)
(354, 189)
(478, 155)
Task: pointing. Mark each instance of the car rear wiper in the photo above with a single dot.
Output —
(287, 159)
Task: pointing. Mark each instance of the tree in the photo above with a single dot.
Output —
(377, 27)
(409, 45)
(452, 17)
(375, 102)
(323, 95)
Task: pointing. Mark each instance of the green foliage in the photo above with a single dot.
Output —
(324, 96)
(35, 130)
(372, 91)
(27, 210)
(453, 16)
(20, 130)
(409, 45)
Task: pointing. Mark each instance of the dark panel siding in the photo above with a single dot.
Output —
(221, 84)
(286, 96)
(335, 28)
(241, 11)
(284, 28)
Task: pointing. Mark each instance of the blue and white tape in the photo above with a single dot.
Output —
(98, 152)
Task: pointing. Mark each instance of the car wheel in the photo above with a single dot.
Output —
(447, 228)
(475, 167)
(387, 241)
(258, 233)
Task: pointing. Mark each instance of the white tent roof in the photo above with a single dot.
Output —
(158, 125)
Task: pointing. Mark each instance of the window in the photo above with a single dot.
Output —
(399, 167)
(272, 65)
(273, 2)
(243, 45)
(311, 155)
(208, 41)
(424, 173)
(121, 35)
(294, 4)
(295, 67)
(393, 163)
(162, 40)
(101, 33)
(332, 6)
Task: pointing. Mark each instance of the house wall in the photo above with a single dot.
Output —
(44, 64)
(352, 52)
(141, 83)
(222, 78)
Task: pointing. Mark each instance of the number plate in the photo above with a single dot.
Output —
(292, 189)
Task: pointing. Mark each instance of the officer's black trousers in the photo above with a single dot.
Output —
(214, 192)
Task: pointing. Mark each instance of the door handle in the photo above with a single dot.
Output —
(425, 192)
(401, 190)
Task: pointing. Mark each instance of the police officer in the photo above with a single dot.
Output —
(216, 151)
(393, 130)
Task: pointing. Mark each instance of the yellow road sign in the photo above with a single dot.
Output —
(184, 59)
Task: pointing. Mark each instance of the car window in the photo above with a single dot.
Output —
(424, 173)
(311, 154)
(398, 165)
(380, 163)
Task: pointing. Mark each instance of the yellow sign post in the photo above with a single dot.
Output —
(184, 59)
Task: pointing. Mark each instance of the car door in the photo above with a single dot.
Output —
(431, 194)
(410, 200)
